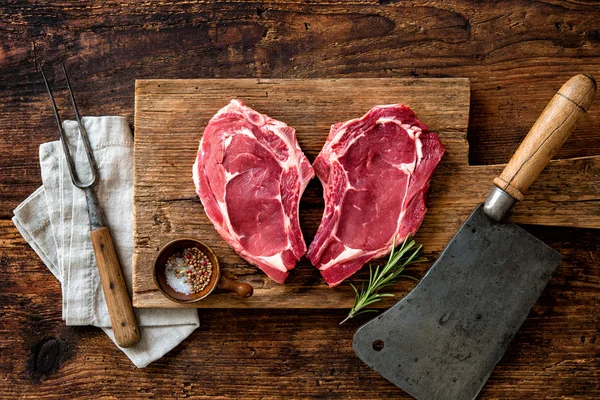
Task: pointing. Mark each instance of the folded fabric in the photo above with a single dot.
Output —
(54, 221)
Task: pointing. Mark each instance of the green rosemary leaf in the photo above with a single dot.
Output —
(352, 315)
(409, 277)
(384, 276)
(394, 250)
(371, 301)
(355, 291)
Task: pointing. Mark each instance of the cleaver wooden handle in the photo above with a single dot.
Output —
(120, 309)
(547, 135)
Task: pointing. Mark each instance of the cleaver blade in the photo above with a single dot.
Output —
(443, 340)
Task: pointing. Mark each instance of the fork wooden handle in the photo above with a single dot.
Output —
(120, 309)
(547, 135)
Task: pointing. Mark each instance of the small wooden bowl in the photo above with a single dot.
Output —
(160, 262)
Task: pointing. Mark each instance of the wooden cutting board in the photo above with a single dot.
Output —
(170, 116)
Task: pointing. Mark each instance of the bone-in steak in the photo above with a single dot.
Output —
(375, 171)
(249, 175)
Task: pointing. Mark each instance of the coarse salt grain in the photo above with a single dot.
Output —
(180, 285)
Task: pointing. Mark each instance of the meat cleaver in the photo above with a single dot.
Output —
(443, 339)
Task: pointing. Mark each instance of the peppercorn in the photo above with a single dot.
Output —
(193, 267)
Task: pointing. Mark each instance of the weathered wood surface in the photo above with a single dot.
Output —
(516, 55)
(170, 116)
(283, 353)
(545, 138)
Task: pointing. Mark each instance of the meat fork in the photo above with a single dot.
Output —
(120, 309)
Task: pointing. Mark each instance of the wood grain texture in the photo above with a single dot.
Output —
(284, 353)
(118, 302)
(241, 289)
(550, 131)
(516, 53)
(169, 120)
(170, 116)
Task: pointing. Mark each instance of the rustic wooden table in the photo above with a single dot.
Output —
(516, 53)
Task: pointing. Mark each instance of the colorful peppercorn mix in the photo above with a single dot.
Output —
(189, 271)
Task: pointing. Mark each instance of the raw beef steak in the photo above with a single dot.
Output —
(375, 171)
(249, 175)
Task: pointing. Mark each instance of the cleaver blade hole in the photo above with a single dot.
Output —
(378, 345)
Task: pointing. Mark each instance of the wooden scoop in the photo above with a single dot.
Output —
(217, 280)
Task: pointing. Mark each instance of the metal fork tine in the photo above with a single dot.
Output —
(83, 131)
(54, 108)
(63, 137)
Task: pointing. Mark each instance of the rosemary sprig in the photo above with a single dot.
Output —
(384, 276)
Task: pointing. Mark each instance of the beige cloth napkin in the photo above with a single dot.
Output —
(54, 221)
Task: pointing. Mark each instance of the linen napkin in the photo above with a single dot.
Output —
(54, 221)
